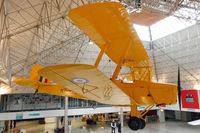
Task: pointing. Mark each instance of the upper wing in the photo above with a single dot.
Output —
(88, 81)
(109, 24)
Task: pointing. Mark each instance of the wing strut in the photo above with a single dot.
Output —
(117, 69)
(146, 110)
(100, 55)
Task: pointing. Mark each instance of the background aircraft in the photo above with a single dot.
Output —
(194, 123)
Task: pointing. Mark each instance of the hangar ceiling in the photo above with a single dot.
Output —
(156, 10)
(39, 31)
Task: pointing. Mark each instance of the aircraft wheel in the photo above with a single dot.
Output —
(143, 123)
(134, 123)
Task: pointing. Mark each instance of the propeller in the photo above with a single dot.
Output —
(179, 88)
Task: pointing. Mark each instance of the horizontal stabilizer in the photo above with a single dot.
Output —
(25, 82)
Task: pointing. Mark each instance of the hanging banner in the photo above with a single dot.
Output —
(190, 99)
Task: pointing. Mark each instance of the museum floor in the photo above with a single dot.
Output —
(79, 127)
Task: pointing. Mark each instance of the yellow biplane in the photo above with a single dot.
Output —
(108, 26)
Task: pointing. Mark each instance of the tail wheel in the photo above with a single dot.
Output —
(134, 123)
(143, 123)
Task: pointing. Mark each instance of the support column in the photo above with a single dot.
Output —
(66, 115)
(121, 119)
(152, 52)
(161, 115)
(2, 126)
(57, 122)
(106, 116)
(178, 115)
(0, 102)
(184, 116)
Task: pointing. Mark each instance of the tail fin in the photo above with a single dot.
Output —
(34, 73)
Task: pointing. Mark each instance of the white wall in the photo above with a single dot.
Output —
(183, 47)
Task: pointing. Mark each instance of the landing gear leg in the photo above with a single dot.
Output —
(136, 121)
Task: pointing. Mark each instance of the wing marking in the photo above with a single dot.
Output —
(84, 90)
(108, 90)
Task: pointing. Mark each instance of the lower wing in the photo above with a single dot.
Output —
(88, 81)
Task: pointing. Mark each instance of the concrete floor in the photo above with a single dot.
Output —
(80, 127)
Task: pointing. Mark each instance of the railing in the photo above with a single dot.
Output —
(40, 101)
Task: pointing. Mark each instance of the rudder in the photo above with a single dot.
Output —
(34, 72)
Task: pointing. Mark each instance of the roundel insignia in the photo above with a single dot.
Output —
(79, 80)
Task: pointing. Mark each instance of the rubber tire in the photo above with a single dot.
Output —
(134, 123)
(143, 123)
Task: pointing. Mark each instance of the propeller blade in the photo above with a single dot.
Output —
(179, 88)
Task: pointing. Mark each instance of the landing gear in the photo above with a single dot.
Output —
(135, 123)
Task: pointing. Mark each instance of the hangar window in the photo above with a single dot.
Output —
(163, 28)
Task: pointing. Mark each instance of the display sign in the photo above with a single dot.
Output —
(190, 99)
(34, 114)
(19, 116)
